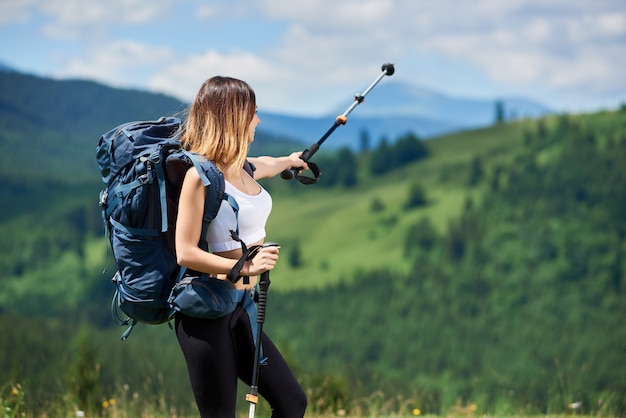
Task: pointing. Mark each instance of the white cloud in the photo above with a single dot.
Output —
(183, 77)
(558, 46)
(78, 19)
(342, 16)
(561, 48)
(122, 63)
(219, 9)
(12, 11)
(518, 44)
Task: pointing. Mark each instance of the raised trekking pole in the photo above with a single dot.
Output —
(387, 69)
(264, 284)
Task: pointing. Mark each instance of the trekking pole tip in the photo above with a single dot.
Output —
(388, 68)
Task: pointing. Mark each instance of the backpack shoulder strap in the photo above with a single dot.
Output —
(197, 161)
(249, 168)
(213, 179)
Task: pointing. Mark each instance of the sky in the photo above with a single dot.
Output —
(305, 57)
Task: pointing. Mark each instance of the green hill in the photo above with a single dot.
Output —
(517, 304)
(502, 286)
(338, 230)
(50, 129)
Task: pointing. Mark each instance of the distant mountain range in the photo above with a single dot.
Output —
(395, 108)
(390, 110)
(391, 99)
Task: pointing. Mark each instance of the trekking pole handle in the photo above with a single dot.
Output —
(264, 284)
(387, 70)
(262, 304)
(305, 156)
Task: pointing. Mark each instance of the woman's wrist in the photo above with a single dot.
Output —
(245, 269)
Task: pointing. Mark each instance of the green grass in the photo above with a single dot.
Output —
(338, 234)
(337, 231)
(130, 405)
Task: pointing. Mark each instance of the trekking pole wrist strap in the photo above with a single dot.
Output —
(247, 254)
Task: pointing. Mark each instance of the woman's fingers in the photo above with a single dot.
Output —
(264, 260)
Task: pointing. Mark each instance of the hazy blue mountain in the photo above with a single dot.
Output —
(4, 67)
(397, 98)
(310, 130)
(394, 108)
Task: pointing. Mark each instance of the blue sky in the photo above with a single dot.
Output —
(307, 56)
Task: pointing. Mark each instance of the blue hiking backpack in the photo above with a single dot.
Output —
(143, 167)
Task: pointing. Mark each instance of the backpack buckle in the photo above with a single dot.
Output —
(104, 196)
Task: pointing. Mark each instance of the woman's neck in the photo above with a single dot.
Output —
(241, 180)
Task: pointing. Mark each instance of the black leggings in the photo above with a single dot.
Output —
(218, 351)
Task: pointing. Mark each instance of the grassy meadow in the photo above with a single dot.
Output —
(525, 318)
(337, 230)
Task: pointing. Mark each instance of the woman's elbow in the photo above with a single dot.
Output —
(184, 257)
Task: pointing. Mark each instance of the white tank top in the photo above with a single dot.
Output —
(253, 213)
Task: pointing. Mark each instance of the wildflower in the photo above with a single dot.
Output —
(473, 407)
(575, 405)
(417, 411)
(15, 392)
(80, 414)
(112, 402)
(105, 404)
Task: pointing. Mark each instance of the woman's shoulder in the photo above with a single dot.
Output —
(192, 178)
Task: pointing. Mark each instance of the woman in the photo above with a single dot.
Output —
(220, 125)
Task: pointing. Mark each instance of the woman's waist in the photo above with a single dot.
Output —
(231, 248)
(240, 283)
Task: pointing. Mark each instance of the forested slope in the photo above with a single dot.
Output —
(502, 286)
(519, 305)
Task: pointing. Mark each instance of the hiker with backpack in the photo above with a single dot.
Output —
(220, 125)
(174, 196)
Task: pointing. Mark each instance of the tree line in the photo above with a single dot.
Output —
(342, 168)
(517, 307)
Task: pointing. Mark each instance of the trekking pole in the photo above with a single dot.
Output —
(387, 69)
(264, 284)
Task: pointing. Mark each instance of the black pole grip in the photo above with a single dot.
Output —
(288, 174)
(264, 284)
(305, 156)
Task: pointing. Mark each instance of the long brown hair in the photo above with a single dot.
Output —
(218, 121)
